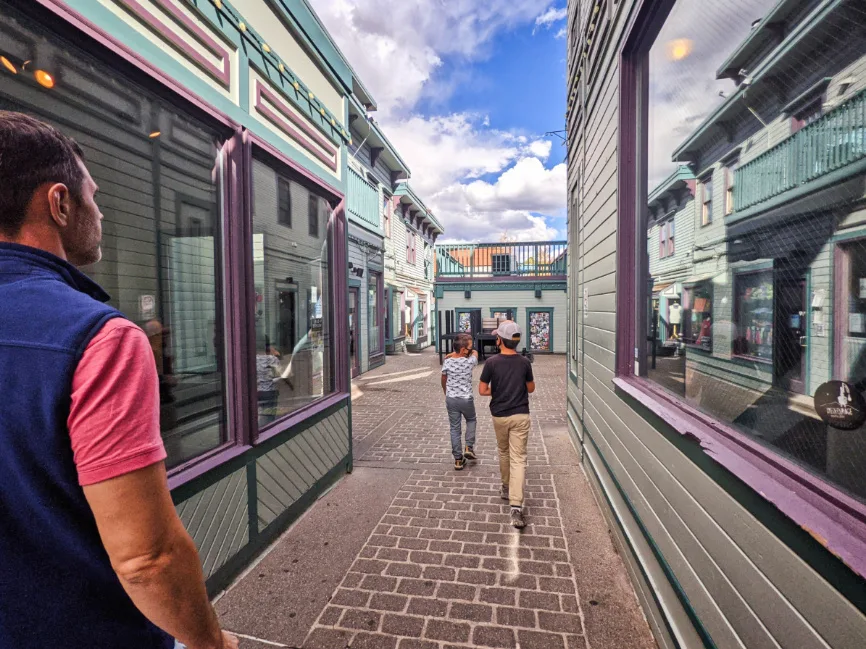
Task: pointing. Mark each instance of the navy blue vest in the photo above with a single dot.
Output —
(57, 587)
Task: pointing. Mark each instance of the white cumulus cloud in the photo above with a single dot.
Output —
(549, 17)
(479, 181)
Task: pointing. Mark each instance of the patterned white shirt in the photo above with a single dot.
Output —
(459, 373)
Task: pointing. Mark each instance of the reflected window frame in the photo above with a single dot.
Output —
(810, 501)
(335, 230)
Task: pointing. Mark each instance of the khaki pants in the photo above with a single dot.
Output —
(512, 434)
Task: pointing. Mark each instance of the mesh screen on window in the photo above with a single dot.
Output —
(756, 158)
(292, 308)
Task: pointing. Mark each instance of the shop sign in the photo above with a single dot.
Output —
(840, 405)
(147, 307)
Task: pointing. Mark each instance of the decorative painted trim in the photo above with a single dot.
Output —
(491, 285)
(833, 518)
(220, 74)
(102, 37)
(284, 121)
(267, 147)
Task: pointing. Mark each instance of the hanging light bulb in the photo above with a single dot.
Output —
(8, 65)
(44, 79)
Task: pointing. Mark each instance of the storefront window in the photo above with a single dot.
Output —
(773, 314)
(698, 322)
(540, 331)
(293, 309)
(753, 304)
(464, 321)
(159, 173)
(374, 311)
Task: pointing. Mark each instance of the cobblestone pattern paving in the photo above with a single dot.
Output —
(444, 569)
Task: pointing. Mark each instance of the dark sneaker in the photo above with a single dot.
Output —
(459, 464)
(503, 492)
(517, 518)
(469, 454)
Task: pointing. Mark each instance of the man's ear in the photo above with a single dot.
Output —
(60, 204)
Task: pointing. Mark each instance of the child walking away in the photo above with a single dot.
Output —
(507, 377)
(457, 385)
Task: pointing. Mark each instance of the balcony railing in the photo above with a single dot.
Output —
(519, 260)
(835, 140)
(363, 199)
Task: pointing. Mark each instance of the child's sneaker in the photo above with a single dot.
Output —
(517, 518)
(459, 464)
(469, 454)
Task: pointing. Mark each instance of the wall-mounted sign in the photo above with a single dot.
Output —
(147, 307)
(840, 405)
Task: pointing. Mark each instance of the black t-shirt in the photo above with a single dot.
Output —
(507, 375)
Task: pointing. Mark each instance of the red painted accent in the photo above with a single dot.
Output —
(811, 503)
(103, 38)
(222, 75)
(282, 120)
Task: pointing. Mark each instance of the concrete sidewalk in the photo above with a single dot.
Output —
(407, 553)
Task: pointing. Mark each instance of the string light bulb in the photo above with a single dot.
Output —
(155, 134)
(8, 65)
(218, 4)
(266, 47)
(311, 96)
(282, 67)
(296, 85)
(44, 79)
(242, 26)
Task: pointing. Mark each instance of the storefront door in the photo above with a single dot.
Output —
(790, 351)
(354, 327)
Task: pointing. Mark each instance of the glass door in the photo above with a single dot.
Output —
(354, 327)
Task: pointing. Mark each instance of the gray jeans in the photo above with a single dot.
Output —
(457, 409)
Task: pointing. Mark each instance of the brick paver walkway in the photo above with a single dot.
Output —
(444, 568)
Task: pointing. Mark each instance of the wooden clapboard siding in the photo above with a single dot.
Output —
(289, 471)
(745, 585)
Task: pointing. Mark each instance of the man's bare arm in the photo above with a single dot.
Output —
(484, 389)
(154, 557)
(530, 386)
(444, 381)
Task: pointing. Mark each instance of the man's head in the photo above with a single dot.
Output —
(463, 345)
(46, 192)
(508, 334)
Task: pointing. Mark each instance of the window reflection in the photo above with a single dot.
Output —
(763, 298)
(292, 308)
(159, 174)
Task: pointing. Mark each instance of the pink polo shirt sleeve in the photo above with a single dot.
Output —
(114, 419)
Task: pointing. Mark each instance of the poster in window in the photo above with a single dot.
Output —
(539, 331)
(464, 323)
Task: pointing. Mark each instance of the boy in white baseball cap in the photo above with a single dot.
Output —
(507, 377)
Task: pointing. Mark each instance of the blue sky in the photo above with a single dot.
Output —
(466, 90)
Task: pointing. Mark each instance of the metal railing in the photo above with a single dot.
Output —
(363, 199)
(827, 144)
(534, 259)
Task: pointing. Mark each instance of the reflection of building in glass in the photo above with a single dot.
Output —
(763, 252)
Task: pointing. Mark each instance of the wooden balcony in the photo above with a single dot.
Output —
(830, 144)
(541, 259)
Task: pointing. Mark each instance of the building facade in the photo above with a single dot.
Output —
(375, 170)
(525, 282)
(717, 183)
(218, 136)
(411, 230)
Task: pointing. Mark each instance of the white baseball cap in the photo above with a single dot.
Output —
(508, 330)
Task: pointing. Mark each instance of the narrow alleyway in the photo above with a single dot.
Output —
(406, 553)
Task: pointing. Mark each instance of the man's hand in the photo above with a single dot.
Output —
(230, 641)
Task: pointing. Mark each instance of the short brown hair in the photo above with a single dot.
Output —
(462, 342)
(32, 153)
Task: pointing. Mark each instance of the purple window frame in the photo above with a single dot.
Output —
(835, 519)
(238, 264)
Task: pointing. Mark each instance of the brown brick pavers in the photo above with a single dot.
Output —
(444, 568)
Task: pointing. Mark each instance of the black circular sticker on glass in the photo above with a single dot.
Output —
(840, 405)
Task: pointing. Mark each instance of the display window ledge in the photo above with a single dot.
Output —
(833, 518)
